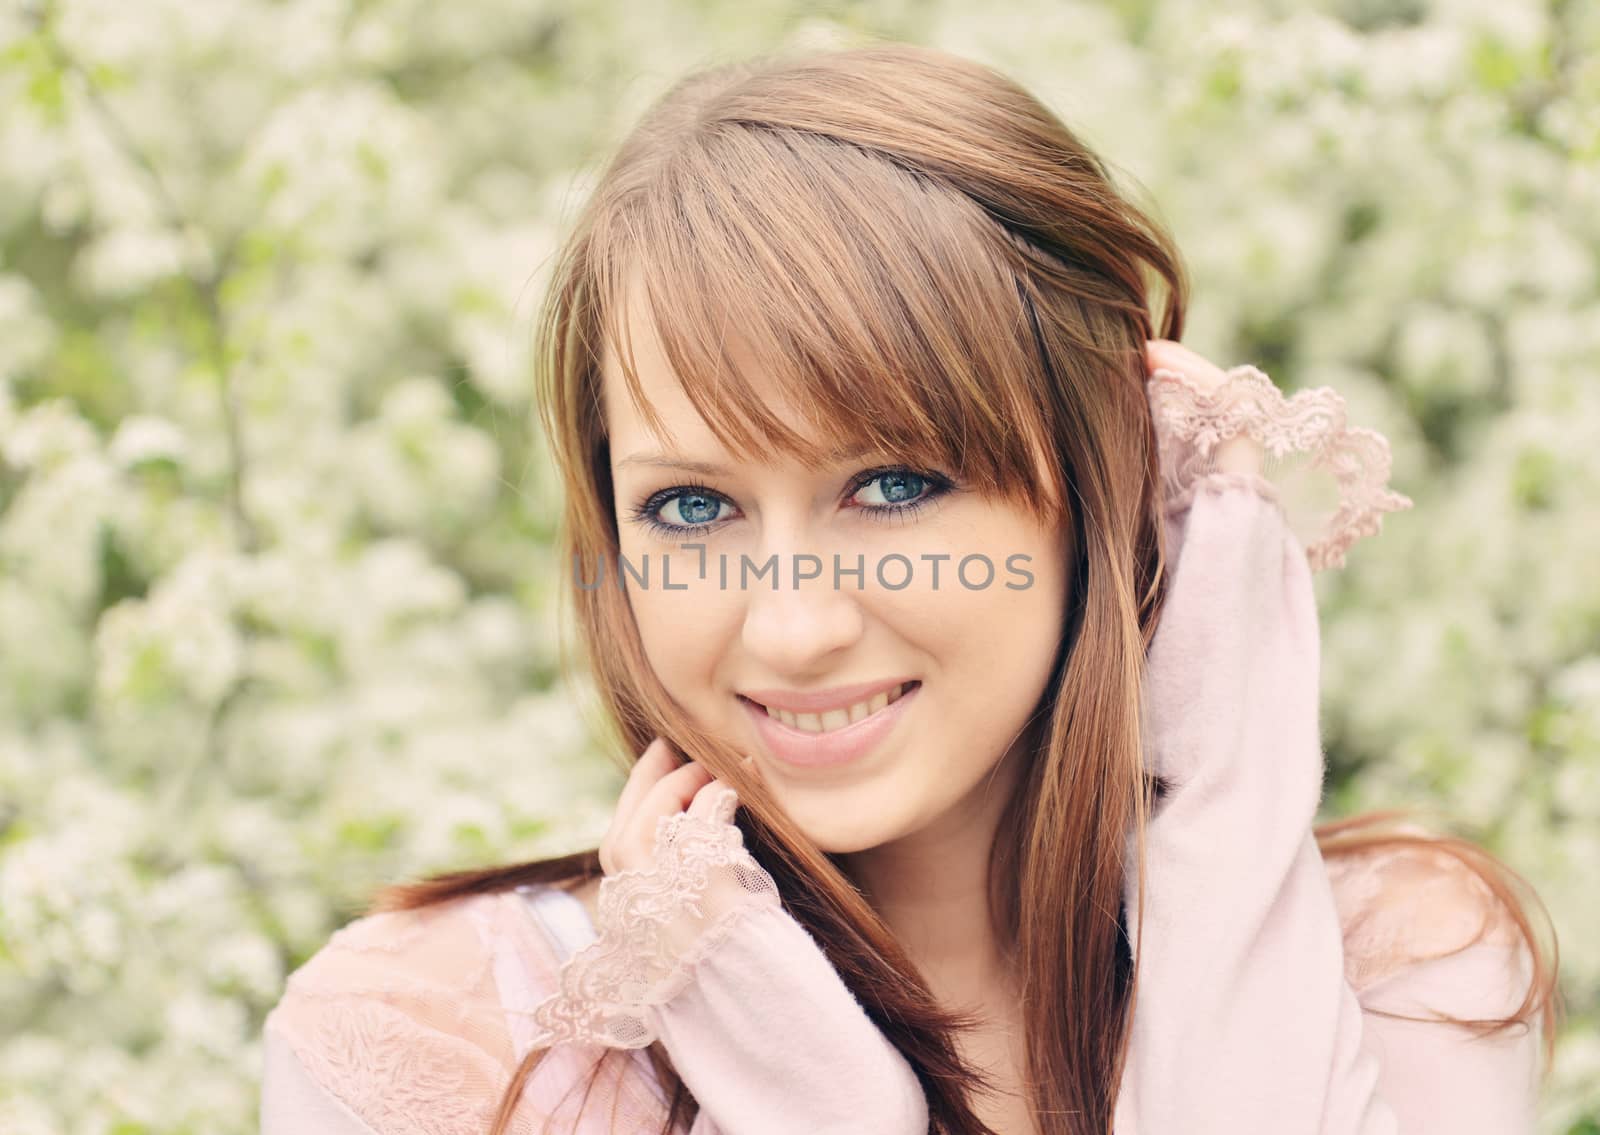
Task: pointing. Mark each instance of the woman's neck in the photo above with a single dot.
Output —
(932, 888)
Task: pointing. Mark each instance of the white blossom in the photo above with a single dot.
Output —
(277, 604)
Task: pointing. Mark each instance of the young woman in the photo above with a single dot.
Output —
(963, 624)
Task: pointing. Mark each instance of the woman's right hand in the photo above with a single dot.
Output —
(694, 949)
(659, 785)
(676, 872)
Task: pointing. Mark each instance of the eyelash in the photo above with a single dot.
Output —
(645, 512)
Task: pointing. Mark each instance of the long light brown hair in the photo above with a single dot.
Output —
(914, 247)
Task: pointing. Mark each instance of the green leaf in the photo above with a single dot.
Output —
(1494, 64)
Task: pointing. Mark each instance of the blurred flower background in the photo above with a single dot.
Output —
(278, 619)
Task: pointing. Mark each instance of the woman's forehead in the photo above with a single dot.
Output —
(674, 432)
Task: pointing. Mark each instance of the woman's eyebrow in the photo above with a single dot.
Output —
(837, 455)
(707, 467)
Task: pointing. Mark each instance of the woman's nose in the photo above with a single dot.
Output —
(795, 619)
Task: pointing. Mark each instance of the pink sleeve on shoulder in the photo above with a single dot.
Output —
(696, 950)
(1243, 1021)
(417, 1020)
(1441, 1078)
(1425, 937)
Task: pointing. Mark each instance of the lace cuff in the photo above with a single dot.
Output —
(1192, 420)
(655, 924)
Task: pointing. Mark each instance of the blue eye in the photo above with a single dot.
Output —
(904, 490)
(696, 506)
(899, 486)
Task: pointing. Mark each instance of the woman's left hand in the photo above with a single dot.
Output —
(1241, 454)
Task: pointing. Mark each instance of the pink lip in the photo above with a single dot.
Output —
(822, 750)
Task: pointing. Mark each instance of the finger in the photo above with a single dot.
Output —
(1166, 353)
(656, 761)
(635, 843)
(1172, 350)
(1155, 354)
(717, 800)
(668, 795)
(630, 838)
(1163, 354)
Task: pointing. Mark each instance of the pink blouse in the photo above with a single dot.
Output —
(1263, 969)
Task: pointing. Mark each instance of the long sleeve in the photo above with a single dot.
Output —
(1243, 1019)
(769, 1039)
(697, 950)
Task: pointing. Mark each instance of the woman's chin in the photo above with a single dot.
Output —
(835, 828)
(839, 818)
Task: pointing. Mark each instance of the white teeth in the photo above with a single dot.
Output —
(834, 719)
(837, 718)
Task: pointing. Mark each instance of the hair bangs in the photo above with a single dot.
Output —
(803, 319)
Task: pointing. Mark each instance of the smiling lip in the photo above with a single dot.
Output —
(820, 701)
(836, 747)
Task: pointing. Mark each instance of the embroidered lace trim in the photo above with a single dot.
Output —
(398, 1018)
(1192, 419)
(654, 926)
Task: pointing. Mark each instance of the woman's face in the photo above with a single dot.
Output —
(980, 644)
